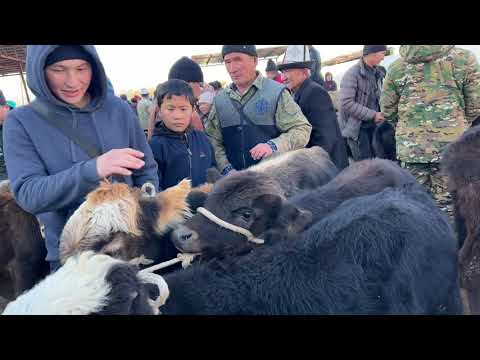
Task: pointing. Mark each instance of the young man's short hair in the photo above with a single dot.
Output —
(174, 87)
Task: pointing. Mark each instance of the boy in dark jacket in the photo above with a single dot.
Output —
(180, 151)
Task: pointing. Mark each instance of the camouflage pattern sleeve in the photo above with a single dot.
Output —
(294, 125)
(390, 96)
(214, 134)
(471, 87)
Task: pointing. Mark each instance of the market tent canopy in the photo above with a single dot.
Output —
(216, 59)
(12, 59)
(12, 62)
(275, 52)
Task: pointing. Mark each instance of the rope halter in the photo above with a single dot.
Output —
(228, 226)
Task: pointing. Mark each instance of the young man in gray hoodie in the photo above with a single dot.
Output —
(49, 173)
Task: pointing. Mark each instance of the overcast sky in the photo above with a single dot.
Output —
(131, 67)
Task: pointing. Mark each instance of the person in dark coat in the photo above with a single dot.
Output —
(179, 150)
(329, 84)
(360, 91)
(316, 105)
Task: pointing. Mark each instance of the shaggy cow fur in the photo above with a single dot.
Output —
(388, 253)
(121, 222)
(461, 163)
(22, 247)
(87, 284)
(298, 170)
(361, 178)
(250, 199)
(270, 212)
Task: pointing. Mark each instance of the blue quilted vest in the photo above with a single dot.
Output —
(244, 126)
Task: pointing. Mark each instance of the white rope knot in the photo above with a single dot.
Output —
(148, 276)
(228, 226)
(185, 258)
(141, 260)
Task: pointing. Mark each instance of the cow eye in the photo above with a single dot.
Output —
(247, 214)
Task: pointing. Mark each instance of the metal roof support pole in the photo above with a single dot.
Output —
(23, 81)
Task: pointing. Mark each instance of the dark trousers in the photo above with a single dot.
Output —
(362, 148)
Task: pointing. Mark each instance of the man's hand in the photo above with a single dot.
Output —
(259, 151)
(119, 162)
(379, 118)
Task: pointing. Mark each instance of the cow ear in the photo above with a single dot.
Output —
(213, 175)
(196, 199)
(283, 214)
(294, 218)
(268, 204)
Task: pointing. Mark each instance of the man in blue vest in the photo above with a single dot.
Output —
(254, 116)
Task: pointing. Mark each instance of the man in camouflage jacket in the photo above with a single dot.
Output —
(431, 94)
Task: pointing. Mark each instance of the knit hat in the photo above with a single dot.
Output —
(144, 91)
(296, 57)
(206, 97)
(271, 66)
(187, 70)
(370, 49)
(68, 52)
(12, 104)
(246, 49)
(3, 102)
(174, 87)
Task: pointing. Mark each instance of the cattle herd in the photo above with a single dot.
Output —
(289, 236)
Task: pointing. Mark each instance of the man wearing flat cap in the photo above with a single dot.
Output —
(360, 91)
(315, 103)
(254, 116)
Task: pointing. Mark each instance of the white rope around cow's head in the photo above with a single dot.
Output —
(184, 258)
(226, 225)
(148, 276)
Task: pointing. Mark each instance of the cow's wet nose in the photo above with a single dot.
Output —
(184, 235)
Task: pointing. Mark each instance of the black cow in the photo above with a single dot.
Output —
(389, 253)
(461, 163)
(383, 141)
(298, 170)
(262, 210)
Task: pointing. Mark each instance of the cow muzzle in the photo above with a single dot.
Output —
(186, 239)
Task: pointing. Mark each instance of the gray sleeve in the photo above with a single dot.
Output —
(35, 190)
(348, 90)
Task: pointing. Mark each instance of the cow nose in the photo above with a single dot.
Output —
(184, 235)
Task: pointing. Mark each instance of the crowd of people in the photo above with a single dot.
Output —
(77, 131)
